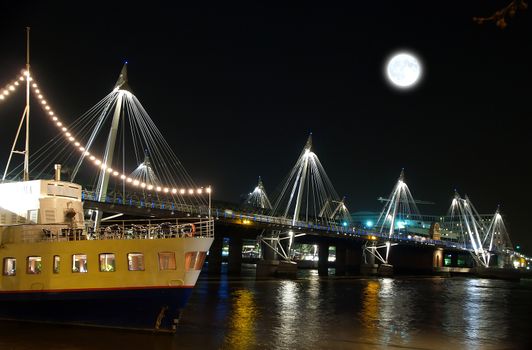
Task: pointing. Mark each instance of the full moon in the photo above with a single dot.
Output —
(403, 70)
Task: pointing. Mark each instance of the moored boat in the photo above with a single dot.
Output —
(128, 275)
(57, 268)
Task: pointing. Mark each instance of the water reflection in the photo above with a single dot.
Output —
(396, 309)
(288, 314)
(322, 313)
(241, 333)
(369, 315)
(485, 311)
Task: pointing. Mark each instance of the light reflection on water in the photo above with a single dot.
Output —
(241, 328)
(322, 313)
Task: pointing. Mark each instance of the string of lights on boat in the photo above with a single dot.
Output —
(12, 86)
(145, 137)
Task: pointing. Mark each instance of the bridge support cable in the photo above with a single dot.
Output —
(258, 198)
(144, 172)
(399, 210)
(307, 196)
(306, 192)
(464, 216)
(499, 239)
(78, 143)
(373, 249)
(281, 242)
(103, 179)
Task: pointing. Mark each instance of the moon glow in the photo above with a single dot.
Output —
(403, 70)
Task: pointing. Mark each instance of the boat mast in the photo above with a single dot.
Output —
(27, 148)
(25, 116)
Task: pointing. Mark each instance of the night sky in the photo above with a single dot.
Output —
(236, 91)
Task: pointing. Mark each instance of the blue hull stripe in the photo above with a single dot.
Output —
(149, 309)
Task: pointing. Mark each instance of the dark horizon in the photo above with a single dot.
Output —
(236, 92)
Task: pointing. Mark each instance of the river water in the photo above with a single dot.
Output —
(321, 313)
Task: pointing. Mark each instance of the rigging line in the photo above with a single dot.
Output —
(49, 157)
(36, 156)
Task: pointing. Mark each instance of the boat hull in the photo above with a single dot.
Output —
(150, 309)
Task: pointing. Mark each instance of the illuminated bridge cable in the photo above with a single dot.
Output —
(258, 198)
(86, 135)
(307, 194)
(398, 211)
(485, 241)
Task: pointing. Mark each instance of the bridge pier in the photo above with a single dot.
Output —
(353, 259)
(267, 252)
(235, 256)
(341, 257)
(215, 255)
(368, 266)
(416, 259)
(323, 259)
(437, 260)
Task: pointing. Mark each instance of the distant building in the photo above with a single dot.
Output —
(419, 226)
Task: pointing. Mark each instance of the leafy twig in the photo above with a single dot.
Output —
(500, 17)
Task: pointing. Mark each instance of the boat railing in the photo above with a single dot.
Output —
(154, 229)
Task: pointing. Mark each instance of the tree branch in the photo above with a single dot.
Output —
(500, 17)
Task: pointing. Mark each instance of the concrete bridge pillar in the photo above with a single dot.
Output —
(267, 252)
(408, 259)
(353, 259)
(341, 259)
(437, 260)
(454, 260)
(235, 255)
(215, 255)
(323, 259)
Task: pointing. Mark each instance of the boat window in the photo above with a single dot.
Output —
(200, 259)
(79, 263)
(10, 266)
(34, 265)
(167, 261)
(194, 260)
(107, 262)
(57, 261)
(190, 260)
(135, 262)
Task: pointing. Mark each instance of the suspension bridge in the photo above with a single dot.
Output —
(127, 168)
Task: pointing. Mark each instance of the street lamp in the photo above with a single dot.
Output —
(209, 190)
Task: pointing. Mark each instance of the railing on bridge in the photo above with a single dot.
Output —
(153, 203)
(333, 229)
(164, 204)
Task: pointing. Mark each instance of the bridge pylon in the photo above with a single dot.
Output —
(258, 198)
(399, 209)
(307, 196)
